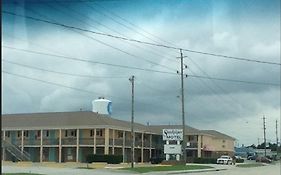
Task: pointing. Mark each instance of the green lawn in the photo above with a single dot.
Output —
(249, 165)
(167, 168)
(85, 168)
(20, 174)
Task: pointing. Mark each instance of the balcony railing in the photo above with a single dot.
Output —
(31, 141)
(138, 143)
(15, 141)
(50, 141)
(128, 142)
(69, 141)
(100, 141)
(86, 141)
(146, 143)
(118, 142)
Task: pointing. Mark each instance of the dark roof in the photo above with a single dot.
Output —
(65, 120)
(217, 134)
(87, 119)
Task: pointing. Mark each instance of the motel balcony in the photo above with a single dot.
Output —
(118, 142)
(31, 141)
(15, 141)
(69, 141)
(86, 141)
(100, 141)
(50, 141)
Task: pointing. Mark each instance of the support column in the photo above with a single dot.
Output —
(113, 141)
(77, 145)
(4, 152)
(41, 145)
(106, 141)
(95, 141)
(123, 146)
(22, 137)
(150, 146)
(199, 141)
(167, 155)
(60, 147)
(142, 135)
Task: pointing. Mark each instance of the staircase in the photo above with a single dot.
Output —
(15, 151)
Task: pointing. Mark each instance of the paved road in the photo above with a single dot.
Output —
(231, 170)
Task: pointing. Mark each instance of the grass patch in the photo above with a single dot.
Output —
(250, 165)
(167, 168)
(21, 174)
(89, 168)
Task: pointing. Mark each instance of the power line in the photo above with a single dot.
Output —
(142, 42)
(63, 73)
(83, 21)
(88, 61)
(137, 68)
(233, 80)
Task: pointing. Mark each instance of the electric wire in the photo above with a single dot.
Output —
(142, 42)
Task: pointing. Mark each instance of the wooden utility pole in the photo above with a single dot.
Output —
(276, 132)
(182, 107)
(132, 80)
(264, 136)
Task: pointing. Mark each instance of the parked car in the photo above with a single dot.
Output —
(263, 159)
(252, 157)
(224, 160)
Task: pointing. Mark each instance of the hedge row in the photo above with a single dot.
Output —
(110, 159)
(205, 160)
(239, 160)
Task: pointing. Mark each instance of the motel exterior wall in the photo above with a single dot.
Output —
(74, 143)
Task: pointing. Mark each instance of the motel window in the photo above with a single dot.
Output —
(99, 132)
(19, 133)
(38, 134)
(92, 132)
(223, 141)
(46, 133)
(8, 133)
(73, 133)
(25, 133)
(223, 146)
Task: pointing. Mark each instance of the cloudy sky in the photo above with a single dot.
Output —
(249, 29)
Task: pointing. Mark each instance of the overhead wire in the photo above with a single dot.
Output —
(88, 61)
(113, 30)
(63, 73)
(135, 68)
(142, 42)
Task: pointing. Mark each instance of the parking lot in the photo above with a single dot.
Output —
(273, 169)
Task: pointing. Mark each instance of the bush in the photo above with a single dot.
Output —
(205, 160)
(110, 159)
(239, 160)
(156, 160)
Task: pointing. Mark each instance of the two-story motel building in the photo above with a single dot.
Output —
(71, 136)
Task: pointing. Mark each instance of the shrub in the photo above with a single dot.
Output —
(205, 160)
(111, 159)
(156, 160)
(239, 160)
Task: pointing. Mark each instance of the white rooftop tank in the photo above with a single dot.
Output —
(102, 106)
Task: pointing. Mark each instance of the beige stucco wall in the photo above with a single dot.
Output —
(218, 144)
